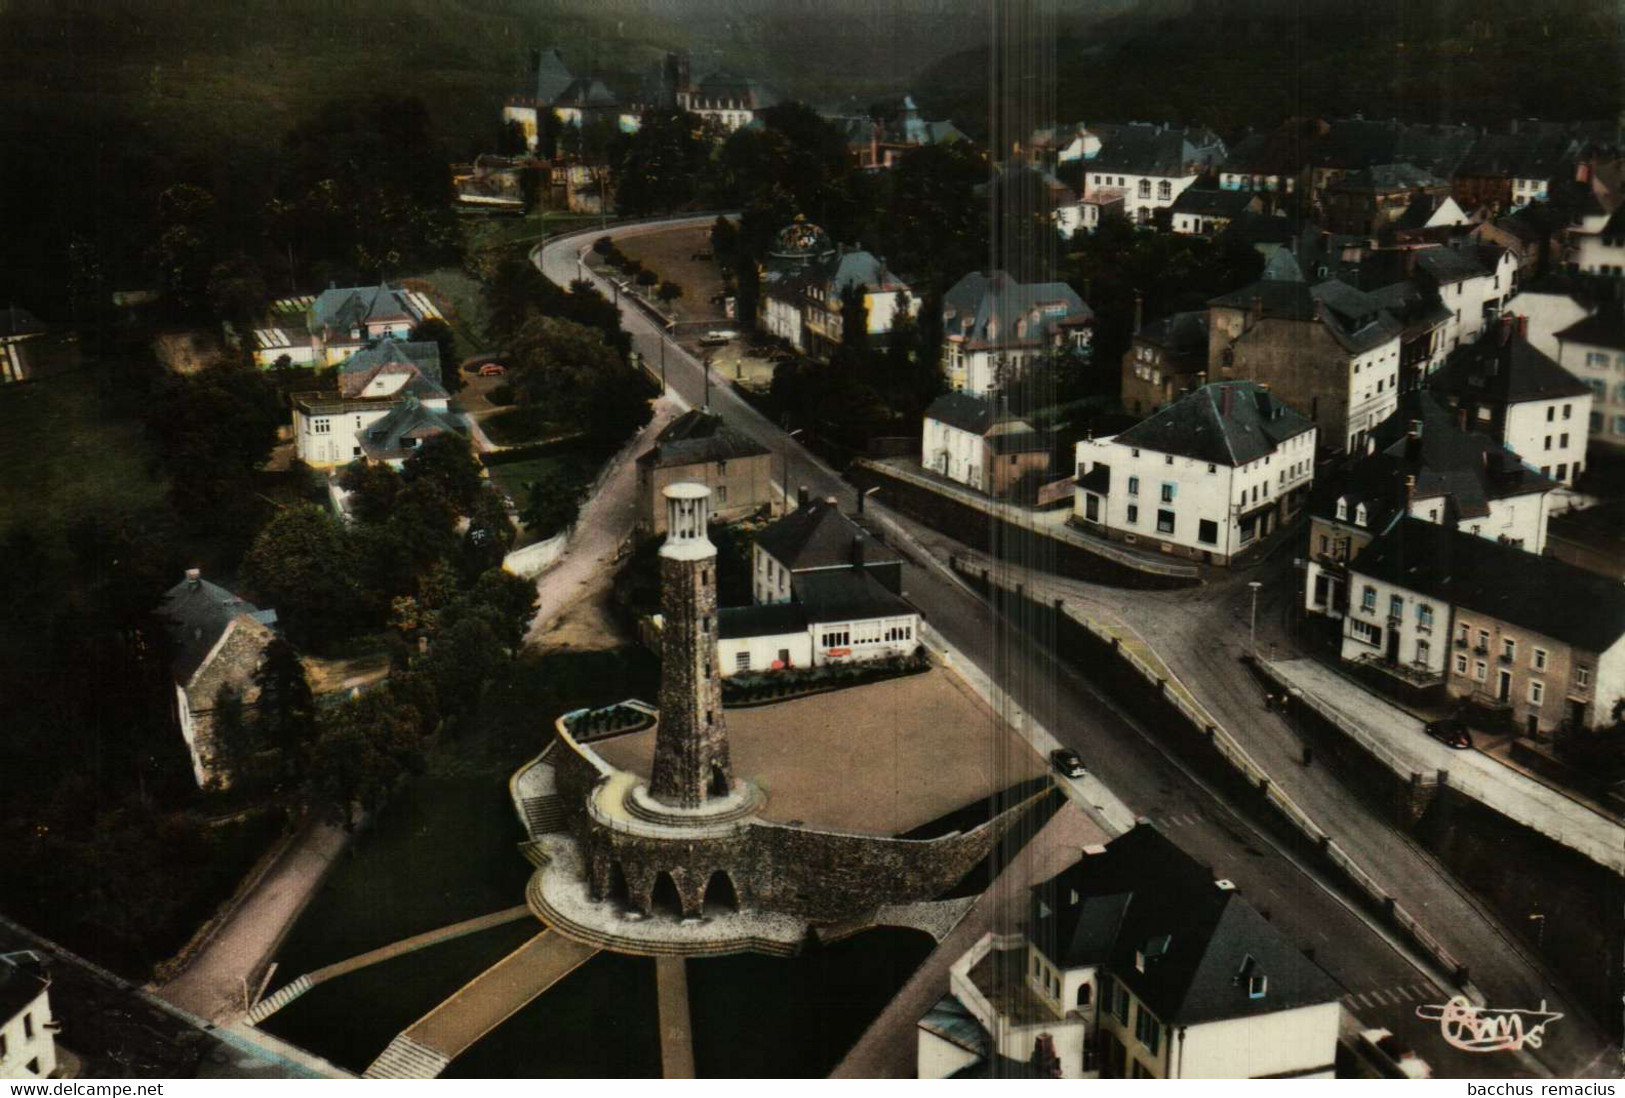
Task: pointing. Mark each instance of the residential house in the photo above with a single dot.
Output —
(727, 99)
(1202, 212)
(1521, 398)
(1270, 164)
(1372, 199)
(879, 143)
(1593, 350)
(1086, 214)
(993, 327)
(219, 641)
(1472, 281)
(1208, 477)
(1329, 350)
(1547, 306)
(1423, 463)
(328, 425)
(806, 307)
(1165, 359)
(27, 1027)
(405, 427)
(699, 447)
(552, 88)
(1135, 963)
(1525, 638)
(1424, 326)
(1506, 171)
(824, 592)
(341, 321)
(1596, 241)
(980, 443)
(1351, 145)
(1151, 166)
(20, 339)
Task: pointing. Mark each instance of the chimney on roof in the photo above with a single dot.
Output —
(1224, 401)
(803, 496)
(1139, 311)
(194, 578)
(1523, 326)
(858, 552)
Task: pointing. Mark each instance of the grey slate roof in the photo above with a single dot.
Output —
(987, 309)
(845, 594)
(1212, 203)
(552, 77)
(588, 93)
(1183, 337)
(1156, 151)
(1386, 179)
(196, 613)
(1558, 600)
(726, 85)
(1158, 922)
(405, 428)
(1446, 265)
(819, 536)
(1435, 148)
(1353, 143)
(949, 1020)
(1196, 426)
(1517, 156)
(392, 356)
(1604, 328)
(699, 436)
(772, 619)
(1462, 469)
(969, 412)
(1501, 367)
(339, 309)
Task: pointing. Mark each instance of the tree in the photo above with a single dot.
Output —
(510, 602)
(647, 278)
(551, 506)
(603, 246)
(569, 367)
(286, 710)
(183, 244)
(211, 431)
(511, 139)
(364, 747)
(490, 535)
(657, 167)
(373, 486)
(447, 461)
(236, 290)
(303, 565)
(437, 331)
(669, 292)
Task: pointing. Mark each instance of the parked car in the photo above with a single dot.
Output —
(493, 369)
(1451, 732)
(1067, 763)
(716, 339)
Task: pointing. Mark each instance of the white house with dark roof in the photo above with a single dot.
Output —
(1547, 306)
(27, 1027)
(219, 641)
(1521, 398)
(1151, 165)
(730, 100)
(980, 443)
(1134, 963)
(699, 447)
(1473, 281)
(1199, 211)
(803, 306)
(994, 326)
(1596, 242)
(1593, 350)
(1207, 477)
(328, 425)
(824, 592)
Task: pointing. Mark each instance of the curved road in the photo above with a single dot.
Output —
(1198, 633)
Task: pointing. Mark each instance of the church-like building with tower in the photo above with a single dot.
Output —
(679, 854)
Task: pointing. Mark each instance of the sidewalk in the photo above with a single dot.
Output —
(212, 986)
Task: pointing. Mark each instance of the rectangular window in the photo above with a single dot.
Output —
(722, 493)
(1509, 649)
(1483, 640)
(28, 1026)
(1537, 691)
(1480, 670)
(1165, 522)
(1365, 632)
(1539, 659)
(1207, 531)
(1133, 486)
(1582, 676)
(742, 661)
(1551, 413)
(1563, 440)
(1168, 491)
(1461, 664)
(1396, 606)
(1133, 514)
(1368, 599)
(1149, 1031)
(1424, 615)
(1120, 1001)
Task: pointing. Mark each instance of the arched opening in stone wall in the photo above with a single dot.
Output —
(720, 895)
(663, 899)
(619, 892)
(719, 781)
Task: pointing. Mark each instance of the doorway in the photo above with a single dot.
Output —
(1503, 686)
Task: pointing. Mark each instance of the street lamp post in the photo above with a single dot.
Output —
(865, 494)
(664, 335)
(789, 440)
(1253, 630)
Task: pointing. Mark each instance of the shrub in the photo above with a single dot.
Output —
(501, 395)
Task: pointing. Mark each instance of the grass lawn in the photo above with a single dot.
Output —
(512, 479)
(68, 457)
(517, 426)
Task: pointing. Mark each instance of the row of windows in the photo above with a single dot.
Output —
(1602, 359)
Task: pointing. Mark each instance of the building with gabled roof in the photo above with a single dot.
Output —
(218, 643)
(993, 327)
(803, 303)
(699, 447)
(1165, 358)
(1199, 211)
(1593, 350)
(879, 143)
(27, 1027)
(1520, 397)
(1151, 166)
(1424, 463)
(730, 100)
(980, 443)
(1507, 171)
(1136, 963)
(1207, 477)
(575, 100)
(328, 425)
(816, 537)
(1374, 198)
(407, 426)
(1526, 638)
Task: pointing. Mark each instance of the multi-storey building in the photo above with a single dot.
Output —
(699, 448)
(1593, 350)
(27, 1029)
(1533, 640)
(330, 426)
(1150, 166)
(1521, 398)
(980, 443)
(1135, 963)
(806, 307)
(1165, 359)
(993, 327)
(1208, 477)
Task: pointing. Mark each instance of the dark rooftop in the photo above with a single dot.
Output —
(22, 980)
(1226, 422)
(196, 613)
(1501, 367)
(1552, 598)
(769, 620)
(697, 436)
(846, 594)
(1604, 328)
(819, 536)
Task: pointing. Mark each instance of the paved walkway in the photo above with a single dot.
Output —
(887, 1049)
(213, 985)
(1480, 776)
(487, 1001)
(676, 1030)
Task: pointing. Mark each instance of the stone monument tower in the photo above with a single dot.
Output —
(691, 745)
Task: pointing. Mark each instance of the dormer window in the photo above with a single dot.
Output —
(1250, 977)
(1360, 515)
(1342, 510)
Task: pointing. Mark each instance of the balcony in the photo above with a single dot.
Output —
(1461, 642)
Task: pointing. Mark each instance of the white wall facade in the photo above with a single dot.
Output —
(769, 580)
(29, 1048)
(867, 639)
(782, 318)
(736, 654)
(1301, 1043)
(1550, 435)
(1547, 314)
(1602, 368)
(1380, 612)
(1373, 385)
(953, 453)
(1142, 194)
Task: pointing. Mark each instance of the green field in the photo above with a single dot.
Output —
(68, 457)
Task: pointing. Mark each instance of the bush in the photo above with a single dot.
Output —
(501, 395)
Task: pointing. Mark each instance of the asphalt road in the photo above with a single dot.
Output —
(1383, 985)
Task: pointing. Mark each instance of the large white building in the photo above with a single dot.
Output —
(1596, 242)
(982, 444)
(1473, 281)
(1134, 963)
(1520, 397)
(1593, 350)
(993, 327)
(575, 100)
(1547, 306)
(1150, 166)
(330, 428)
(1208, 477)
(27, 1028)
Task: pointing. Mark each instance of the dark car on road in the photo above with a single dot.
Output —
(1066, 761)
(1450, 732)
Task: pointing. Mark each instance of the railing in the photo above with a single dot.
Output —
(1406, 672)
